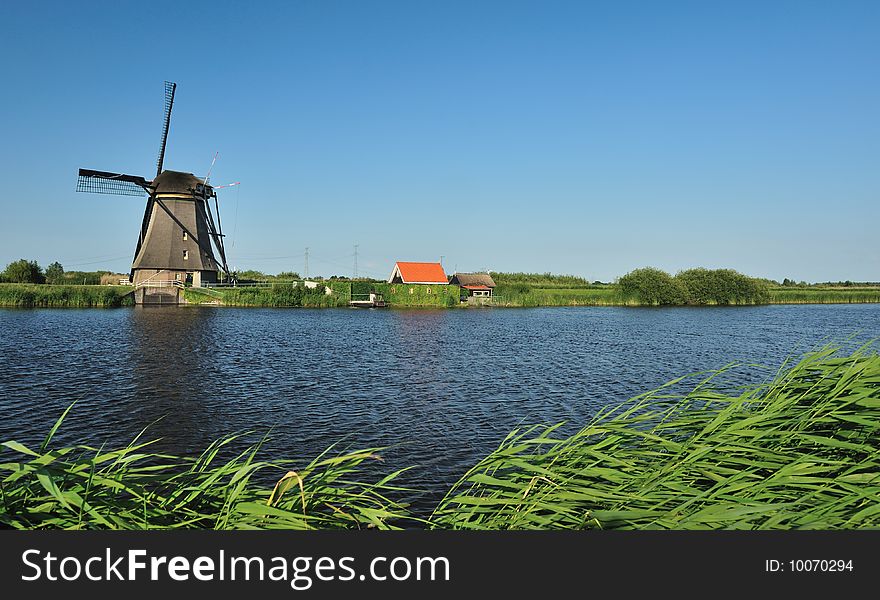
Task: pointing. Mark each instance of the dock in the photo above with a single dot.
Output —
(370, 300)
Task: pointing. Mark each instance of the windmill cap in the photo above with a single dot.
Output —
(176, 182)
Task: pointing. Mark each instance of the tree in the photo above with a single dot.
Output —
(787, 282)
(54, 273)
(24, 271)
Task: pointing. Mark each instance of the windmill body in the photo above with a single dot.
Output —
(176, 240)
(179, 242)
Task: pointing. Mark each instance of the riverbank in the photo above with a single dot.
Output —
(24, 295)
(797, 452)
(610, 296)
(397, 296)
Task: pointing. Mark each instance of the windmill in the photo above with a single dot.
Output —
(178, 233)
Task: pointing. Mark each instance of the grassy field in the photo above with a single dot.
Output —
(800, 451)
(25, 295)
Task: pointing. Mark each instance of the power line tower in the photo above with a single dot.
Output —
(306, 269)
(355, 261)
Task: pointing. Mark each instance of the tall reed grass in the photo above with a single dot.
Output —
(799, 451)
(824, 295)
(64, 296)
(279, 295)
(85, 487)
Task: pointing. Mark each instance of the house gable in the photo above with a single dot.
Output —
(418, 272)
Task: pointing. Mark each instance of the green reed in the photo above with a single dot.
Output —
(25, 295)
(800, 451)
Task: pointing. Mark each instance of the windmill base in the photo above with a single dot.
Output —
(168, 296)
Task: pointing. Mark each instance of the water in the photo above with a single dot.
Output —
(442, 386)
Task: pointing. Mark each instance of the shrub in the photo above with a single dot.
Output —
(722, 286)
(652, 286)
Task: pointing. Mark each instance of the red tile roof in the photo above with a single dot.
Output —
(476, 287)
(419, 272)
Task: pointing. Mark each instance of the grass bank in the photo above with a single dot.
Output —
(611, 295)
(829, 295)
(799, 451)
(26, 295)
(276, 295)
(527, 296)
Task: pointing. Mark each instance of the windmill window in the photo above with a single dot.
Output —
(185, 237)
(186, 255)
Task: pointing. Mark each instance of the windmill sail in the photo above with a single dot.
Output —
(170, 88)
(102, 182)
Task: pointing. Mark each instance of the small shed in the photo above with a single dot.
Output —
(423, 273)
(475, 284)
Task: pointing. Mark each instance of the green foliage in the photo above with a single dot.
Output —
(403, 295)
(521, 295)
(722, 286)
(64, 296)
(340, 289)
(541, 280)
(359, 288)
(652, 286)
(23, 271)
(812, 295)
(54, 273)
(277, 295)
(83, 487)
(83, 277)
(699, 286)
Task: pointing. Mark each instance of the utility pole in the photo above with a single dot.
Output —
(306, 270)
(355, 261)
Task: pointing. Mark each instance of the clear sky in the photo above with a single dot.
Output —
(573, 137)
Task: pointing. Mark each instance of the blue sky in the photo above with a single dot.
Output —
(572, 137)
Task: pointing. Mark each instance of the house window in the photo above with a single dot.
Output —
(185, 237)
(427, 290)
(186, 255)
(412, 290)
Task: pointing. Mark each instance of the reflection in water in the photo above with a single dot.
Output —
(176, 378)
(441, 387)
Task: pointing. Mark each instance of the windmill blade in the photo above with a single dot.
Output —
(170, 87)
(102, 182)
